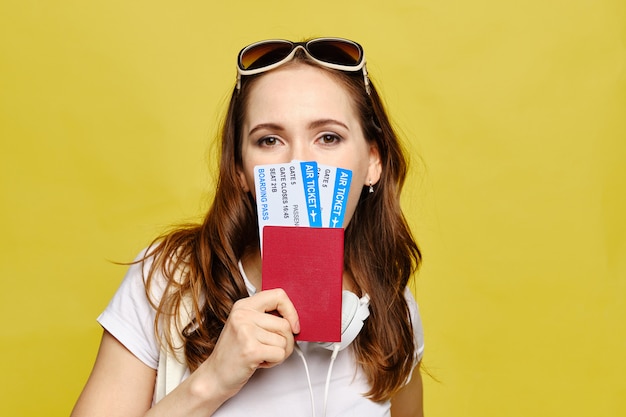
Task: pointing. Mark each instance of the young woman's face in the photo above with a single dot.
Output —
(300, 112)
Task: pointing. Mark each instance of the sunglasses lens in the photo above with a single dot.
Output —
(336, 51)
(264, 54)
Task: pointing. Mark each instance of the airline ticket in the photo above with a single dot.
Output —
(298, 193)
(334, 186)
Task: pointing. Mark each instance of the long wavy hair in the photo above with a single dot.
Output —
(200, 261)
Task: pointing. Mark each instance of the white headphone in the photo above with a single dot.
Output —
(354, 311)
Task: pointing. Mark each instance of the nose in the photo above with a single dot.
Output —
(301, 152)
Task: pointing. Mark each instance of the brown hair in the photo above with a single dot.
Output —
(200, 261)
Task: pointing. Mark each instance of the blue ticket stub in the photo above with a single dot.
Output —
(314, 212)
(334, 186)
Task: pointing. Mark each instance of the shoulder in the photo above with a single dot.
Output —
(130, 314)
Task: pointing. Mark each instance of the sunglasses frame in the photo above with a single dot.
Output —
(304, 46)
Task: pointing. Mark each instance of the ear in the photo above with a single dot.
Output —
(375, 166)
(242, 180)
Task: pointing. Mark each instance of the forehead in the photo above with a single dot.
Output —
(299, 89)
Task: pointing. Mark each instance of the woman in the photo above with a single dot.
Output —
(193, 294)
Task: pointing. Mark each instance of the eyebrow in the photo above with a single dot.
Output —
(322, 122)
(269, 126)
(313, 125)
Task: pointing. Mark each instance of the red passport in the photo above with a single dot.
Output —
(307, 262)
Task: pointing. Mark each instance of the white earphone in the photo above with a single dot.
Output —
(354, 312)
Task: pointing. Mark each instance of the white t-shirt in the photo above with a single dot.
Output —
(279, 391)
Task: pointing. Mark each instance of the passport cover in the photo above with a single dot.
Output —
(307, 262)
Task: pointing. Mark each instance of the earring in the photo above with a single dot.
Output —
(371, 187)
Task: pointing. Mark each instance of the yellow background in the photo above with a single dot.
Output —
(515, 116)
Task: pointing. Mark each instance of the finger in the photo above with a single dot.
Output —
(263, 338)
(270, 338)
(270, 330)
(272, 356)
(275, 300)
(265, 341)
(246, 322)
(272, 323)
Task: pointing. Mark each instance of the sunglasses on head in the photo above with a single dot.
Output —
(336, 53)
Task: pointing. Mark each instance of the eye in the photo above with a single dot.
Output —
(268, 141)
(330, 139)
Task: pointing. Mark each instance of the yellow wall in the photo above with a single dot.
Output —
(515, 114)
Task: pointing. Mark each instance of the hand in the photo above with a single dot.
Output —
(252, 339)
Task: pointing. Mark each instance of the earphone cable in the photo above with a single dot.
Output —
(330, 370)
(308, 377)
